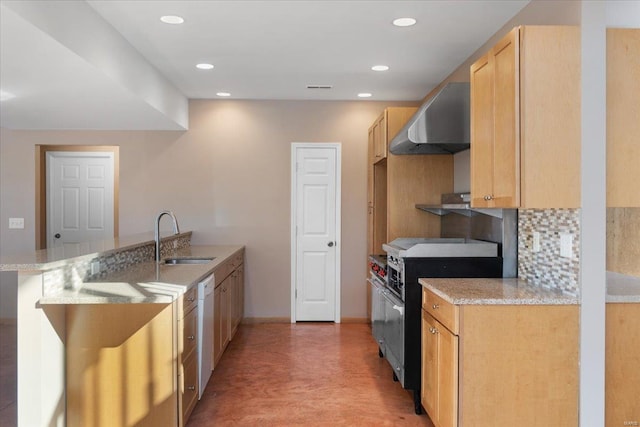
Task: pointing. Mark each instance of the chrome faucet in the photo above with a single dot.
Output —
(176, 230)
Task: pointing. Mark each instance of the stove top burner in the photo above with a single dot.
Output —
(405, 247)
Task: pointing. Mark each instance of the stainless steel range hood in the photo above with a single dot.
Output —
(440, 126)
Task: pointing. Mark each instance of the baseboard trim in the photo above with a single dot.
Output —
(259, 320)
(354, 320)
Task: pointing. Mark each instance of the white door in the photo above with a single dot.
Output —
(315, 232)
(80, 194)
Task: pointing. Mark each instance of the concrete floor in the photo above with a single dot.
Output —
(311, 374)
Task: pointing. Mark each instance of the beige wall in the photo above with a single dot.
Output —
(227, 179)
(623, 240)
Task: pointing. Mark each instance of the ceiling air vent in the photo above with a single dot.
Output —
(319, 86)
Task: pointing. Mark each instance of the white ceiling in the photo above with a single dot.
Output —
(260, 49)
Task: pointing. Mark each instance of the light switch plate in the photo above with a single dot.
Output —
(95, 267)
(536, 242)
(566, 245)
(16, 223)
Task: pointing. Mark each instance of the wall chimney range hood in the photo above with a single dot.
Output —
(440, 126)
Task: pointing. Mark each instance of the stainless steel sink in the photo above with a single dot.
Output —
(180, 261)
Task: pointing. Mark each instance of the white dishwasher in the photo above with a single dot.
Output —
(205, 331)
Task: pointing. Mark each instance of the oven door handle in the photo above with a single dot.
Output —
(399, 309)
(377, 283)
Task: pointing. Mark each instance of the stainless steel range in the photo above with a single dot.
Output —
(396, 304)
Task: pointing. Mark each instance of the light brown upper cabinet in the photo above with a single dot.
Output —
(386, 127)
(525, 120)
(623, 117)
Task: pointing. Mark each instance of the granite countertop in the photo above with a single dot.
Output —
(146, 282)
(46, 259)
(495, 292)
(622, 288)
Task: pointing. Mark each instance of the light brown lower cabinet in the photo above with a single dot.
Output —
(499, 365)
(622, 376)
(228, 303)
(440, 372)
(188, 354)
(121, 365)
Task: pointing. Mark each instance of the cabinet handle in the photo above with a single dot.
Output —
(191, 388)
(191, 337)
(433, 330)
(435, 306)
(191, 299)
(488, 197)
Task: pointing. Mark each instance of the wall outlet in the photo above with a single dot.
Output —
(16, 223)
(566, 245)
(95, 267)
(536, 242)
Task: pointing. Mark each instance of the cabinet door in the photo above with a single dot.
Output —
(429, 388)
(495, 131)
(622, 378)
(370, 189)
(439, 391)
(448, 377)
(623, 111)
(225, 324)
(188, 387)
(237, 299)
(217, 324)
(380, 138)
(506, 141)
(240, 293)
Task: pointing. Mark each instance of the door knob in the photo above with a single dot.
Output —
(330, 244)
(57, 235)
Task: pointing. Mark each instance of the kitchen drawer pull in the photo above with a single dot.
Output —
(435, 306)
(191, 388)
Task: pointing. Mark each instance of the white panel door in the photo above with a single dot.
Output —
(80, 194)
(316, 218)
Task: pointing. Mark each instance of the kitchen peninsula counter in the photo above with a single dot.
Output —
(59, 256)
(100, 293)
(146, 282)
(495, 292)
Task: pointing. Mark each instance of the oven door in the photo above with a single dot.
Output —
(394, 334)
(377, 311)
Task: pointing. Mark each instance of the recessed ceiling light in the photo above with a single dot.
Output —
(204, 66)
(224, 94)
(364, 95)
(404, 22)
(380, 67)
(172, 19)
(5, 96)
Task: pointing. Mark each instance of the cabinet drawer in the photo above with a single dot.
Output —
(238, 259)
(189, 387)
(223, 270)
(443, 311)
(190, 299)
(190, 336)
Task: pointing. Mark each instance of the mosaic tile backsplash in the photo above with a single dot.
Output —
(547, 268)
(73, 274)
